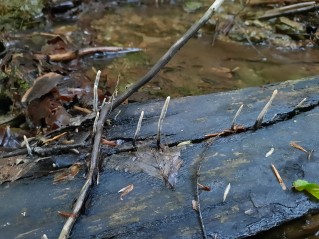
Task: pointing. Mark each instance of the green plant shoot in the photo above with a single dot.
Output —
(303, 185)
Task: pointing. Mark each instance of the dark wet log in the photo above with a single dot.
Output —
(255, 202)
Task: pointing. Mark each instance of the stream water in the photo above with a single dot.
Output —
(203, 65)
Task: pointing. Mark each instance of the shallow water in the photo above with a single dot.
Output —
(201, 66)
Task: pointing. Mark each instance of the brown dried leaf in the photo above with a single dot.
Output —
(13, 168)
(41, 86)
(67, 173)
(203, 187)
(48, 110)
(126, 190)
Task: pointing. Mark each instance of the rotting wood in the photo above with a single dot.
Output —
(107, 107)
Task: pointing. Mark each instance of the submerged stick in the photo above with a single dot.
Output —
(262, 114)
(138, 128)
(91, 176)
(161, 119)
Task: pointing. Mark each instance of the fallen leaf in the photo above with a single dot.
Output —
(41, 86)
(126, 190)
(67, 173)
(13, 168)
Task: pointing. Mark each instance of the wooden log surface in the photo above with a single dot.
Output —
(255, 202)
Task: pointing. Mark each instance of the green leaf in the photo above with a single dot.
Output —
(303, 185)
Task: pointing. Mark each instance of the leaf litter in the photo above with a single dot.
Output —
(67, 174)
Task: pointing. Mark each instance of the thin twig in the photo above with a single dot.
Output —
(138, 128)
(27, 145)
(235, 117)
(262, 114)
(300, 103)
(95, 94)
(263, 57)
(198, 162)
(107, 107)
(281, 182)
(96, 121)
(198, 205)
(161, 119)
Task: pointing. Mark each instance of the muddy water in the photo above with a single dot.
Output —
(202, 66)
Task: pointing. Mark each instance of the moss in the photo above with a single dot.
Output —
(17, 13)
